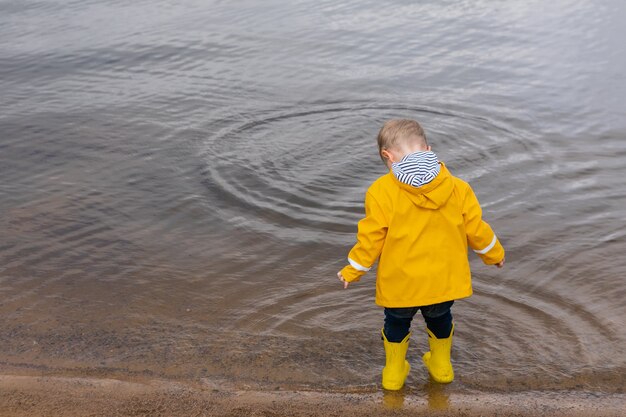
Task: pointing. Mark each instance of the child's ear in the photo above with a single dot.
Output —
(428, 148)
(385, 154)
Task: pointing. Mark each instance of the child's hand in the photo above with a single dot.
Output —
(345, 283)
(501, 263)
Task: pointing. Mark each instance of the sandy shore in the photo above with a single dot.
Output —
(73, 396)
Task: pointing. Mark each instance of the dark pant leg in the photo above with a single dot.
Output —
(438, 319)
(398, 323)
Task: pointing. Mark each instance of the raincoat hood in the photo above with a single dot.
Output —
(433, 194)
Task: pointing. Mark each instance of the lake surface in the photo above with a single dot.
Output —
(180, 182)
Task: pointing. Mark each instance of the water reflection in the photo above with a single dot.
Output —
(393, 400)
(437, 395)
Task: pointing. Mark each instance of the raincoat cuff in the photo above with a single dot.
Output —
(350, 274)
(494, 255)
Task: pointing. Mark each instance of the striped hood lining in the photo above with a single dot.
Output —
(417, 168)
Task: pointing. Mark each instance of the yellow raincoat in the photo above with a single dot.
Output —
(421, 235)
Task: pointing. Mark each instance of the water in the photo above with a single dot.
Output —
(180, 183)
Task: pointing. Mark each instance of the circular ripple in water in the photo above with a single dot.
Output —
(301, 174)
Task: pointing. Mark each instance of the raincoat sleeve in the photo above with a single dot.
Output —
(480, 236)
(370, 239)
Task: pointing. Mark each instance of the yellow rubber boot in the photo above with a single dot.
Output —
(396, 368)
(438, 359)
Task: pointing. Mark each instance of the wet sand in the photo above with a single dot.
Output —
(22, 395)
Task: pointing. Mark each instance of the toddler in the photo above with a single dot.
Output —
(419, 221)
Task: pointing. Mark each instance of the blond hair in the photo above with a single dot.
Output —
(396, 130)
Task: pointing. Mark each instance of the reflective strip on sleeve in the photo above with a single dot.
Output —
(488, 248)
(357, 266)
